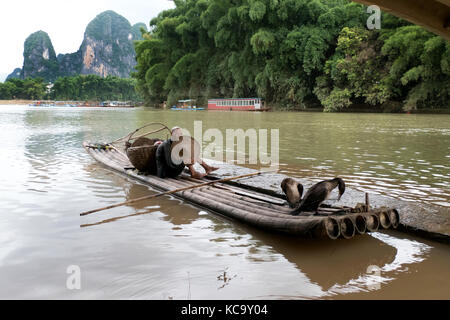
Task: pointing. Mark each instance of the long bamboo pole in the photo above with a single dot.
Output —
(171, 192)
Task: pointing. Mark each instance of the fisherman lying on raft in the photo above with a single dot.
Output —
(167, 153)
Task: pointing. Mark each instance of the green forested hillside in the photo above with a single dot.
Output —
(293, 53)
(93, 87)
(90, 87)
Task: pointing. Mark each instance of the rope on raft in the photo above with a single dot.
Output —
(130, 135)
(126, 139)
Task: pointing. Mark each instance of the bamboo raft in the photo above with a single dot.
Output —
(260, 208)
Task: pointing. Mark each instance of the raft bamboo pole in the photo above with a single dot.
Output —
(333, 210)
(359, 222)
(112, 219)
(169, 192)
(394, 217)
(234, 196)
(112, 147)
(347, 227)
(372, 222)
(247, 193)
(252, 188)
(383, 216)
(239, 200)
(237, 203)
(274, 201)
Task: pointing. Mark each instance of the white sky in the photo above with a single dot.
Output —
(64, 21)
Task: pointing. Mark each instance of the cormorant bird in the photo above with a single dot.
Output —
(293, 191)
(318, 194)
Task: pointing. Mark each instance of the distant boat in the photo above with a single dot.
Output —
(187, 109)
(237, 104)
(186, 105)
(107, 104)
(66, 104)
(116, 104)
(104, 104)
(41, 104)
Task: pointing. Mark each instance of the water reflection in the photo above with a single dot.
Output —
(170, 206)
(343, 266)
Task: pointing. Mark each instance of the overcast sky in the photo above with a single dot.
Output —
(64, 21)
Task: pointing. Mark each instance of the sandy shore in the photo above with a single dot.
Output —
(16, 102)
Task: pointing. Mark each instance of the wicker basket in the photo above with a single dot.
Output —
(142, 154)
(140, 149)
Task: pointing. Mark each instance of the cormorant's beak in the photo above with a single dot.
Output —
(300, 190)
(341, 188)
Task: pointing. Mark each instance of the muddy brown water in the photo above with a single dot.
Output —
(177, 251)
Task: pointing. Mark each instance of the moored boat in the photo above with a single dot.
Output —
(105, 104)
(116, 104)
(42, 104)
(187, 109)
(186, 105)
(237, 104)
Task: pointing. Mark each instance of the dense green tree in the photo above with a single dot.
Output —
(23, 89)
(290, 52)
(90, 87)
(6, 90)
(420, 67)
(355, 73)
(93, 87)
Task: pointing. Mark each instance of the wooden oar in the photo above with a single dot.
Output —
(172, 191)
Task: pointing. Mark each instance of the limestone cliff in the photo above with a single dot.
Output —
(136, 30)
(39, 58)
(107, 49)
(69, 64)
(15, 74)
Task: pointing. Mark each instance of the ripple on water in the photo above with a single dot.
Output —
(408, 252)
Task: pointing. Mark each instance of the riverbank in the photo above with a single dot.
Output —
(369, 110)
(16, 102)
(62, 103)
(391, 107)
(273, 107)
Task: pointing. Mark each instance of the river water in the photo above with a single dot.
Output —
(178, 251)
